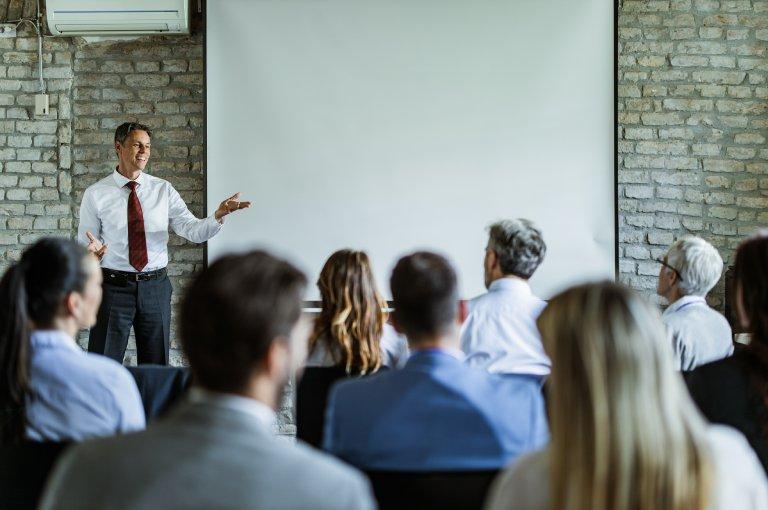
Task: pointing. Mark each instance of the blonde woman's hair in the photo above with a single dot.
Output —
(353, 313)
(625, 434)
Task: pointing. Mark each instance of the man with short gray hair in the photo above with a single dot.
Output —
(500, 334)
(699, 334)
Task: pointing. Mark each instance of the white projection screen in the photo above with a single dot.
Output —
(396, 125)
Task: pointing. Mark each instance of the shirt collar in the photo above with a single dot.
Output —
(121, 180)
(258, 410)
(454, 353)
(510, 285)
(685, 301)
(54, 338)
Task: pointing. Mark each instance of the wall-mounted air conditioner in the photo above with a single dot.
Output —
(117, 17)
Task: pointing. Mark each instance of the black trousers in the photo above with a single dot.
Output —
(145, 305)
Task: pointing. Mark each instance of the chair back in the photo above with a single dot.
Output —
(311, 400)
(24, 470)
(443, 490)
(160, 387)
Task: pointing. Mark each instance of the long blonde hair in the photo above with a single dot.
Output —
(353, 313)
(625, 434)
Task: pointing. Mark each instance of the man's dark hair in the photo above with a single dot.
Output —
(124, 129)
(233, 311)
(425, 294)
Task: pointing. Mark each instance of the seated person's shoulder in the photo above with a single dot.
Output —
(319, 469)
(353, 387)
(107, 374)
(523, 484)
(515, 385)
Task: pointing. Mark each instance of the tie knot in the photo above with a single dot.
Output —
(131, 184)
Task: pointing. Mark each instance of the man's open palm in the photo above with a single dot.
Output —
(230, 205)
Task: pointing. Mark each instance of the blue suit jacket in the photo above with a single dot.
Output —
(435, 414)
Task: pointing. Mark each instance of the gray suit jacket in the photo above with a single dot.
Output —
(203, 456)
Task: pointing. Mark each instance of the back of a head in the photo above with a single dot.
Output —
(31, 295)
(750, 275)
(698, 263)
(614, 387)
(425, 295)
(353, 312)
(519, 246)
(750, 296)
(233, 311)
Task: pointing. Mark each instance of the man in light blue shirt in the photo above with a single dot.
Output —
(436, 413)
(698, 333)
(76, 395)
(500, 333)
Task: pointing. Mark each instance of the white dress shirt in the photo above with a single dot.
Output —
(500, 333)
(699, 333)
(104, 212)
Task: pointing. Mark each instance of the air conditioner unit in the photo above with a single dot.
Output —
(117, 17)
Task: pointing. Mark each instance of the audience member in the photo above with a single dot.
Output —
(625, 433)
(242, 333)
(734, 391)
(436, 413)
(346, 341)
(500, 332)
(699, 334)
(51, 390)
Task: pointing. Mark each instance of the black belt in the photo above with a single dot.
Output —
(121, 277)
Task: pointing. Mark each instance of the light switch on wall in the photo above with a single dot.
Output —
(41, 104)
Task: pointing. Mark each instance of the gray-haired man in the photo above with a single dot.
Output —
(700, 334)
(500, 333)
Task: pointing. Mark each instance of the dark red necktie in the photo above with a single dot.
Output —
(137, 241)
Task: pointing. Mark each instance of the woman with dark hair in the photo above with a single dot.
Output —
(734, 391)
(350, 337)
(51, 390)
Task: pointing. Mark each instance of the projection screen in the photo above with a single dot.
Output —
(396, 125)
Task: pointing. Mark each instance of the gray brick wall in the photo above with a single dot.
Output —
(692, 126)
(47, 162)
(157, 81)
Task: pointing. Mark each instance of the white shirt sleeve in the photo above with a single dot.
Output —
(185, 224)
(89, 220)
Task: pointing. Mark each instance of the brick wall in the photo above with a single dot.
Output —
(47, 162)
(156, 81)
(692, 114)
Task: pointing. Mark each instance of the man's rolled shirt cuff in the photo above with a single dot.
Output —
(213, 222)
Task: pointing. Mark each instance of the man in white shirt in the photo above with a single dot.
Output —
(124, 219)
(699, 334)
(244, 335)
(500, 333)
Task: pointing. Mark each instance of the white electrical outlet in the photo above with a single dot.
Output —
(41, 104)
(7, 30)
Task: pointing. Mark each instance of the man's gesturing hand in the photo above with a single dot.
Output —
(230, 205)
(95, 246)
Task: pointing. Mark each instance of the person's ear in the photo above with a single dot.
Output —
(71, 304)
(117, 148)
(462, 312)
(493, 258)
